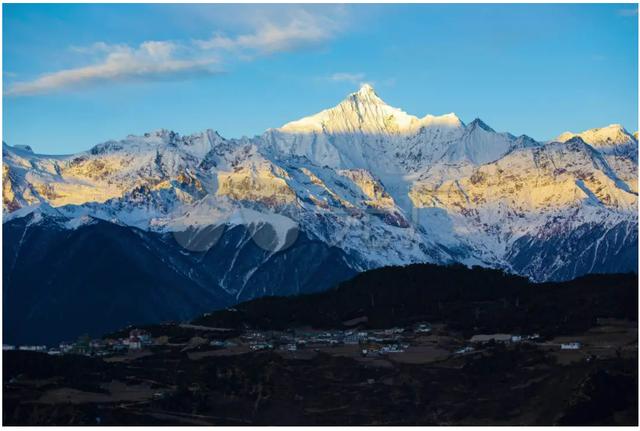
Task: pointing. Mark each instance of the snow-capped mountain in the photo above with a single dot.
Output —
(619, 148)
(363, 184)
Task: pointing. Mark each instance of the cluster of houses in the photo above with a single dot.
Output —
(373, 342)
(495, 338)
(32, 348)
(136, 340)
(502, 338)
(508, 338)
(370, 342)
(84, 345)
(379, 350)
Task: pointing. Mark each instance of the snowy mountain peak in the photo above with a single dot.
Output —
(361, 112)
(603, 137)
(478, 144)
(365, 112)
(481, 124)
(366, 88)
(367, 95)
(24, 149)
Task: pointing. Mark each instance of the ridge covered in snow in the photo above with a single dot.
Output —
(602, 138)
(384, 186)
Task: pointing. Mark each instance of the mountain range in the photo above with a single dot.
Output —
(164, 226)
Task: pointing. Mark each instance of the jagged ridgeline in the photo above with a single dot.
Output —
(165, 226)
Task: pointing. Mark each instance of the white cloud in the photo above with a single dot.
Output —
(301, 29)
(152, 59)
(354, 78)
(293, 30)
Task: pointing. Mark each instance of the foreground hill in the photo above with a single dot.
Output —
(412, 345)
(468, 299)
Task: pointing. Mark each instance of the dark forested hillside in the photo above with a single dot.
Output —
(104, 276)
(468, 299)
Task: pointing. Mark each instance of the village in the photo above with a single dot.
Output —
(139, 369)
(419, 343)
(85, 345)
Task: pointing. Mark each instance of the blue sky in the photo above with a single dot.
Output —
(76, 75)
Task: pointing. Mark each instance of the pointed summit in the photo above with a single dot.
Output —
(366, 94)
(365, 112)
(360, 112)
(366, 88)
(481, 124)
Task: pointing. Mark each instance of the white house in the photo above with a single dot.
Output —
(33, 348)
(135, 343)
(423, 328)
(571, 346)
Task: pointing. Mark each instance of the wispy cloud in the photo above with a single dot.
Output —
(354, 78)
(301, 29)
(150, 60)
(170, 59)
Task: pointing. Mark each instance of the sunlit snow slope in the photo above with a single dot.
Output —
(377, 184)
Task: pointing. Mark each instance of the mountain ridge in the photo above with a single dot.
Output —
(355, 188)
